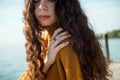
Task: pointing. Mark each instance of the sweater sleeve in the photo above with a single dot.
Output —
(71, 64)
(25, 76)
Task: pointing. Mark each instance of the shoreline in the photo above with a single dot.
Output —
(114, 66)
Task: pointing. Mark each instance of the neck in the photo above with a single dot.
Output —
(50, 29)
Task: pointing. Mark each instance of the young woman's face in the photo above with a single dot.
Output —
(45, 12)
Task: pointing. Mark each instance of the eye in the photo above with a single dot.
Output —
(36, 1)
(52, 0)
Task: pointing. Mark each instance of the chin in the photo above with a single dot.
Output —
(47, 24)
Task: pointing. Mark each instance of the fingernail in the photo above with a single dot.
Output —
(61, 28)
(69, 35)
(67, 42)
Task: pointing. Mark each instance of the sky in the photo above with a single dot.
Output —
(104, 15)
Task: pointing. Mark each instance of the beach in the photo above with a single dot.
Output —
(115, 68)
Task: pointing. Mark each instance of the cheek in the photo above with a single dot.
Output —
(52, 12)
(35, 13)
(51, 9)
(55, 18)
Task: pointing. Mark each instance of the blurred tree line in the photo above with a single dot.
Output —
(112, 34)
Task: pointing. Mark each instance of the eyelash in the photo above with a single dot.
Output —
(36, 1)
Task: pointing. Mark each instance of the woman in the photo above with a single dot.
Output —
(59, 43)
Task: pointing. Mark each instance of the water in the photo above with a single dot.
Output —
(13, 64)
(12, 61)
(114, 48)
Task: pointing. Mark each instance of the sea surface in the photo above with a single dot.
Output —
(13, 63)
(114, 48)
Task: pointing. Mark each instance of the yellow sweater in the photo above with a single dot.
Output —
(66, 67)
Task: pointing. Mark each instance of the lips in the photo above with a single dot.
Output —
(44, 17)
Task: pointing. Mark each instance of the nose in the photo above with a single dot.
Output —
(43, 6)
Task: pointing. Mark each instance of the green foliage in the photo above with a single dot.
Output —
(112, 34)
(118, 34)
(101, 36)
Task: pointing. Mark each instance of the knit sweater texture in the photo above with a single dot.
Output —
(66, 67)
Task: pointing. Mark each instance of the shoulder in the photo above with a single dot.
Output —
(71, 63)
(68, 52)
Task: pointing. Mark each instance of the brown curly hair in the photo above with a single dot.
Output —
(72, 19)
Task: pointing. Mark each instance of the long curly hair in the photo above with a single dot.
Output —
(72, 19)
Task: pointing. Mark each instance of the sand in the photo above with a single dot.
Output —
(115, 68)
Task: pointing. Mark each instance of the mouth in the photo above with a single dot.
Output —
(44, 17)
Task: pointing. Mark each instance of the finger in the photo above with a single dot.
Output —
(57, 31)
(57, 42)
(58, 48)
(61, 34)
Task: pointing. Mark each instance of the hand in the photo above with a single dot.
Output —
(56, 45)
